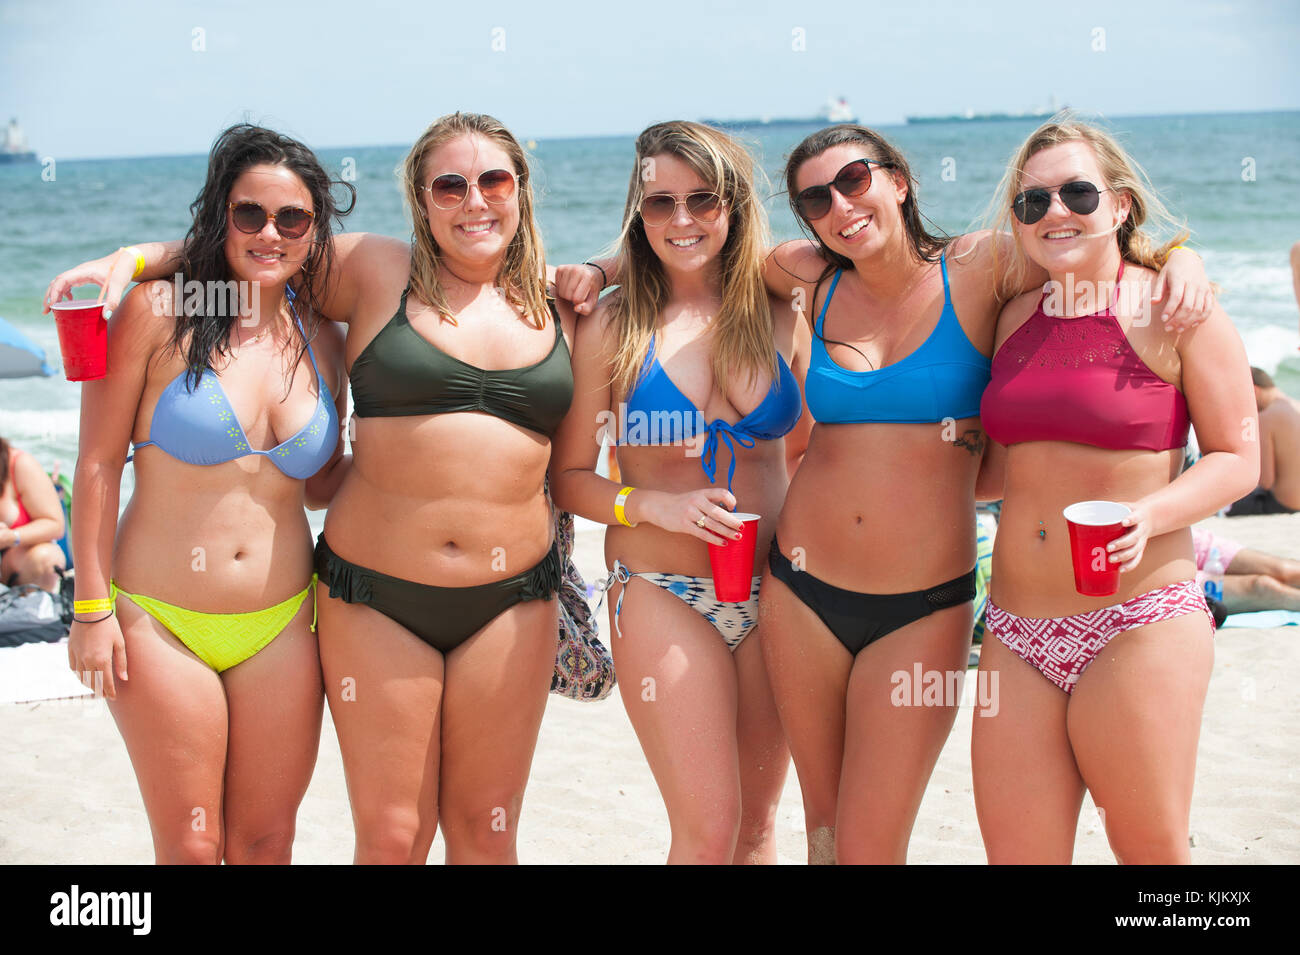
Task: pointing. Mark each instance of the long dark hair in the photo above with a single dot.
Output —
(207, 331)
(924, 245)
(4, 464)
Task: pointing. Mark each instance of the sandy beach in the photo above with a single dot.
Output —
(68, 794)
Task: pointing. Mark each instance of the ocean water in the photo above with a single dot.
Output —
(1232, 177)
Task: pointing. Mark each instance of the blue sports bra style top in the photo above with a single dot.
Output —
(200, 427)
(944, 378)
(656, 404)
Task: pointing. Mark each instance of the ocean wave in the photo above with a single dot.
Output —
(1272, 347)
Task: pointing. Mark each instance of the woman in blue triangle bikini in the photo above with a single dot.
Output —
(200, 629)
(700, 372)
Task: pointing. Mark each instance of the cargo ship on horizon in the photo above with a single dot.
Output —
(15, 148)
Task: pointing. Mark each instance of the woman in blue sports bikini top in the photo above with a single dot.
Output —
(201, 604)
(695, 374)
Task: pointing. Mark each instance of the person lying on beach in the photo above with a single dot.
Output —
(1252, 579)
(31, 522)
(1279, 451)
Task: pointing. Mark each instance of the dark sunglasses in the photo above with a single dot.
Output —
(451, 189)
(852, 180)
(1079, 197)
(703, 206)
(250, 217)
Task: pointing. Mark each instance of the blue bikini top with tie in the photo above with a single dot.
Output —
(199, 426)
(658, 405)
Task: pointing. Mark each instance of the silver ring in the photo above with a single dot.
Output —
(700, 523)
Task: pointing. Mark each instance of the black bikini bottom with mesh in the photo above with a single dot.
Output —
(858, 619)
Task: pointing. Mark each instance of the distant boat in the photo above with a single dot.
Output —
(15, 145)
(970, 116)
(836, 110)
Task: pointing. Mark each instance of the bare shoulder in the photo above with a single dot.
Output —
(1013, 315)
(145, 319)
(800, 259)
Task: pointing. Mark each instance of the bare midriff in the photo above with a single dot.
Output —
(225, 538)
(758, 486)
(1032, 572)
(453, 500)
(885, 508)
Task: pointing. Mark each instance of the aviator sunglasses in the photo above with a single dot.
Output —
(659, 209)
(250, 217)
(451, 189)
(1080, 197)
(853, 179)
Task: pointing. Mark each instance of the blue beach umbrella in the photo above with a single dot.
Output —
(19, 356)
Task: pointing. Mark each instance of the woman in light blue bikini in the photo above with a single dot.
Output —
(702, 372)
(220, 707)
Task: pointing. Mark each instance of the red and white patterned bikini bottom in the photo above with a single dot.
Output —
(1061, 648)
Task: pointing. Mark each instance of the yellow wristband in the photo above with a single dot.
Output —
(618, 506)
(139, 259)
(92, 606)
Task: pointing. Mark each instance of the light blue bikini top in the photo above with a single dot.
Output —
(200, 427)
(658, 413)
(944, 378)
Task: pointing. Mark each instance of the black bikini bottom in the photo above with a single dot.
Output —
(858, 619)
(443, 617)
(1258, 501)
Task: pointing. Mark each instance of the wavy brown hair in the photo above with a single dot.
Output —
(742, 330)
(521, 276)
(1121, 173)
(202, 332)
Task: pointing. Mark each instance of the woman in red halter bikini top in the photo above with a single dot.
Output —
(1089, 399)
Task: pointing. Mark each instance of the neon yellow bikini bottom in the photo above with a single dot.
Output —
(222, 640)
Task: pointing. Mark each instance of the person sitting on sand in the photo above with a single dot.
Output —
(31, 522)
(1279, 452)
(1252, 579)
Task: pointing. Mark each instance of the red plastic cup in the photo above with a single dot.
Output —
(83, 339)
(1093, 525)
(733, 563)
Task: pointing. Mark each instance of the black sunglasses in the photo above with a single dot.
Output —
(852, 180)
(1080, 197)
(250, 217)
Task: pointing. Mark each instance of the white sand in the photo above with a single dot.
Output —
(68, 795)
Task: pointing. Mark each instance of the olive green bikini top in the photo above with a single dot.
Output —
(401, 373)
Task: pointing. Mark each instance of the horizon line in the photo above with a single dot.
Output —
(629, 135)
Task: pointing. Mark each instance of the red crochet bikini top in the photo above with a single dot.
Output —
(1078, 379)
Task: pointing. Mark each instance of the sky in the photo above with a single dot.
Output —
(134, 78)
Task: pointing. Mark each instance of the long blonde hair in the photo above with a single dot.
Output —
(521, 276)
(742, 329)
(1121, 173)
